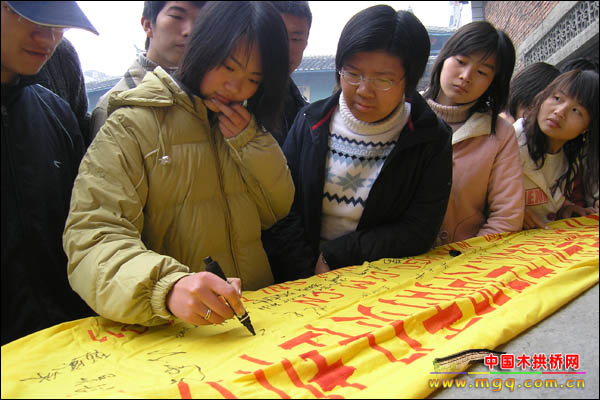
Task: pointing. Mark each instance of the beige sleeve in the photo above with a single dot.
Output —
(109, 264)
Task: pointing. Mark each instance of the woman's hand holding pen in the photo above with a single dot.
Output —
(191, 298)
(233, 118)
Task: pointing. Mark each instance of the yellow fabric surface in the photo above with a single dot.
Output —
(369, 331)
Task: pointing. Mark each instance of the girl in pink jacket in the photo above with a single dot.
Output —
(468, 88)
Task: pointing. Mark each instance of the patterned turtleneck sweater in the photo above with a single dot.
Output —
(357, 151)
(455, 116)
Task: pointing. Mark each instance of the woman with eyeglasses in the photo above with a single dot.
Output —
(468, 88)
(372, 164)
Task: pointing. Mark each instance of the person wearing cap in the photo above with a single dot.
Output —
(41, 150)
(168, 25)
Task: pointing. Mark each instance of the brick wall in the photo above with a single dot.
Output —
(517, 18)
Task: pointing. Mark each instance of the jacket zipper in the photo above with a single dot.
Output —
(227, 213)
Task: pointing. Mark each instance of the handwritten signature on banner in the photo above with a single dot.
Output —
(363, 331)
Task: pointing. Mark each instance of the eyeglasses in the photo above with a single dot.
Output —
(378, 83)
(53, 29)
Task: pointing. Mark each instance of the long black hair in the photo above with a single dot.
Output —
(527, 83)
(223, 25)
(382, 28)
(479, 37)
(583, 87)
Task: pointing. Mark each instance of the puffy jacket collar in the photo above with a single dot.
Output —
(157, 89)
(423, 125)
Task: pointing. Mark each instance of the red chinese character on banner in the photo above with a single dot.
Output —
(523, 361)
(572, 361)
(491, 361)
(539, 361)
(507, 361)
(556, 361)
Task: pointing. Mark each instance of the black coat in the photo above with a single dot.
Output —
(405, 207)
(292, 105)
(41, 151)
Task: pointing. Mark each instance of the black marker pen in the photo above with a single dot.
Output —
(215, 268)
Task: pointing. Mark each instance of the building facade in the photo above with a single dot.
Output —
(549, 31)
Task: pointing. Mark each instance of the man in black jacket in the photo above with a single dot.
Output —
(41, 150)
(297, 18)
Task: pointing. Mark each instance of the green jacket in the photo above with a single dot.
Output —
(159, 189)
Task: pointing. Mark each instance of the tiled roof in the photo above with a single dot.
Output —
(440, 30)
(100, 85)
(317, 63)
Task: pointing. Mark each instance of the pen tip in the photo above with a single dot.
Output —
(245, 320)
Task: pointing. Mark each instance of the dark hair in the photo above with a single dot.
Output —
(382, 28)
(582, 86)
(529, 82)
(580, 63)
(152, 8)
(248, 23)
(476, 37)
(296, 8)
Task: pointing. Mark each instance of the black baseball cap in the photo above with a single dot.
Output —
(53, 13)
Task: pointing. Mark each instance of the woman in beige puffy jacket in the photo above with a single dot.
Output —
(182, 170)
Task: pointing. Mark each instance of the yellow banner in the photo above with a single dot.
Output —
(369, 331)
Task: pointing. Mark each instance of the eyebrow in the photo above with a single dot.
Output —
(177, 8)
(560, 92)
(241, 66)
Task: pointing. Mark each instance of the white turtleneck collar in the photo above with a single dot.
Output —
(397, 118)
(453, 115)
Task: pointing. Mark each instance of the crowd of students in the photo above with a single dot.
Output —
(207, 148)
